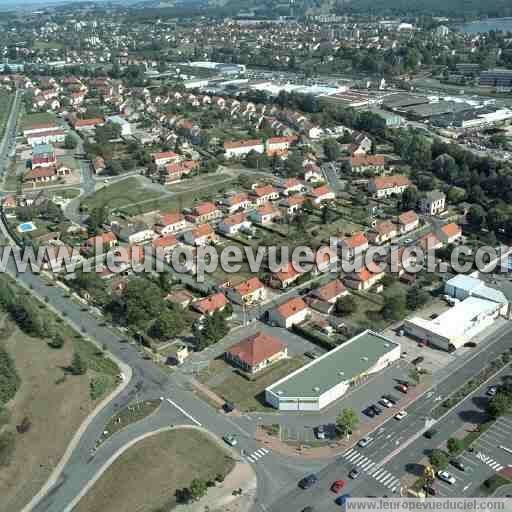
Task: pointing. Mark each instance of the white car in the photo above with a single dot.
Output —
(365, 441)
(400, 415)
(446, 477)
(385, 402)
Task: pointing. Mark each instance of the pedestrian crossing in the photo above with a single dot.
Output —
(256, 455)
(372, 469)
(494, 465)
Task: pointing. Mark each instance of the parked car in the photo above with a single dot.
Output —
(354, 474)
(376, 409)
(369, 412)
(470, 344)
(320, 432)
(402, 388)
(492, 390)
(337, 485)
(429, 434)
(447, 477)
(230, 439)
(430, 490)
(365, 441)
(308, 481)
(457, 464)
(393, 399)
(400, 415)
(385, 402)
(341, 500)
(433, 316)
(418, 360)
(228, 407)
(311, 354)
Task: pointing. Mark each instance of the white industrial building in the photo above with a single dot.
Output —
(326, 379)
(478, 308)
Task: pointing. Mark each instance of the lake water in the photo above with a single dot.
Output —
(474, 27)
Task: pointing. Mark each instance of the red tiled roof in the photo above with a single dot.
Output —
(291, 307)
(233, 220)
(167, 219)
(210, 304)
(256, 348)
(263, 190)
(408, 217)
(320, 191)
(234, 144)
(286, 273)
(451, 230)
(237, 199)
(367, 160)
(202, 230)
(164, 155)
(249, 286)
(204, 208)
(356, 240)
(164, 241)
(40, 172)
(330, 290)
(383, 182)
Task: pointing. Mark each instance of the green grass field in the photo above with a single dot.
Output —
(37, 118)
(121, 194)
(5, 107)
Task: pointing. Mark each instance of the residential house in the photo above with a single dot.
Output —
(171, 222)
(248, 292)
(211, 304)
(265, 214)
(292, 204)
(383, 232)
(361, 146)
(450, 233)
(408, 221)
(291, 186)
(279, 145)
(330, 292)
(205, 212)
(182, 298)
(284, 277)
(263, 194)
(46, 137)
(176, 170)
(132, 232)
(367, 163)
(165, 244)
(364, 279)
(43, 155)
(385, 186)
(237, 202)
(353, 245)
(46, 174)
(313, 173)
(429, 242)
(232, 224)
(256, 353)
(433, 203)
(321, 194)
(293, 311)
(81, 125)
(202, 234)
(241, 148)
(161, 159)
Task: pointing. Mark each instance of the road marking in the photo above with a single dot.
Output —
(466, 487)
(249, 458)
(367, 464)
(348, 452)
(190, 417)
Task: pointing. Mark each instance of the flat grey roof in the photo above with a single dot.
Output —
(342, 364)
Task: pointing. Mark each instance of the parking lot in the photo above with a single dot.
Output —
(489, 456)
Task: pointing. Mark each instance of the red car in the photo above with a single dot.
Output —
(403, 388)
(337, 486)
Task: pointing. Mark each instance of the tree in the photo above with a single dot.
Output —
(97, 218)
(328, 216)
(214, 328)
(332, 150)
(57, 341)
(438, 459)
(167, 325)
(476, 216)
(78, 365)
(394, 305)
(347, 422)
(198, 488)
(70, 142)
(114, 167)
(143, 302)
(410, 198)
(346, 305)
(454, 445)
(500, 404)
(416, 297)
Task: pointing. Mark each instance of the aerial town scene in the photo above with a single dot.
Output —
(255, 256)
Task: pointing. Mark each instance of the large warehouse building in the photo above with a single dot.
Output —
(479, 307)
(324, 380)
